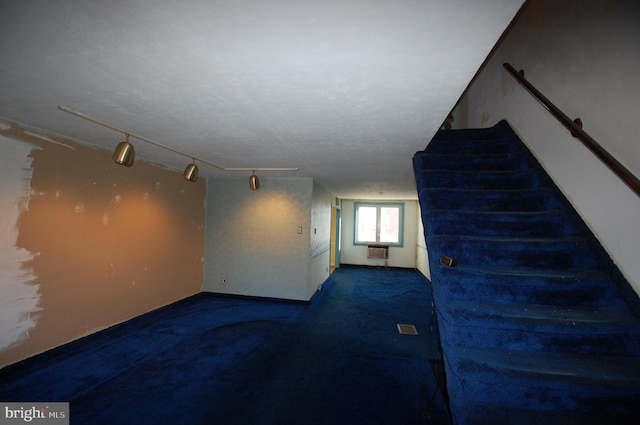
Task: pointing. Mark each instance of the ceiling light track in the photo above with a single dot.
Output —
(191, 166)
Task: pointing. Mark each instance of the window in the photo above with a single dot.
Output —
(380, 223)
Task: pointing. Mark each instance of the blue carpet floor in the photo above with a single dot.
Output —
(219, 360)
(537, 324)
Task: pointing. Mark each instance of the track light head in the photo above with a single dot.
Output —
(125, 153)
(254, 182)
(191, 172)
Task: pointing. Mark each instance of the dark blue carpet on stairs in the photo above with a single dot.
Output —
(537, 324)
(219, 360)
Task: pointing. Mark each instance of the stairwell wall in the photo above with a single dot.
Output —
(583, 56)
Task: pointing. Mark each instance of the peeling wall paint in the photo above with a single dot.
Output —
(19, 302)
(86, 243)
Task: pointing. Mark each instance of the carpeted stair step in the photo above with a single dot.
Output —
(479, 147)
(484, 162)
(500, 130)
(520, 200)
(479, 414)
(531, 327)
(536, 321)
(480, 180)
(570, 288)
(550, 223)
(619, 293)
(546, 382)
(562, 252)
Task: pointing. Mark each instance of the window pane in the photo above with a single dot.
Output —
(366, 230)
(390, 224)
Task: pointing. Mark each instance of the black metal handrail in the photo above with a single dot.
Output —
(620, 170)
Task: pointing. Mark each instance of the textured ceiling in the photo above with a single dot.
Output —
(346, 90)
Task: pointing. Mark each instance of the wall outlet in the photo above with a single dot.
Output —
(224, 280)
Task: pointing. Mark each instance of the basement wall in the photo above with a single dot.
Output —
(584, 57)
(85, 243)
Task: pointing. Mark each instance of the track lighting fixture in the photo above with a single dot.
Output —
(191, 172)
(124, 154)
(254, 182)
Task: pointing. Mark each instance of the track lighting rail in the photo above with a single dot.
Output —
(168, 148)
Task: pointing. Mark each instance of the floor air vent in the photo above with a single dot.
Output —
(407, 329)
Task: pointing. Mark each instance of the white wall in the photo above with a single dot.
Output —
(252, 238)
(584, 56)
(398, 256)
(422, 256)
(273, 242)
(320, 234)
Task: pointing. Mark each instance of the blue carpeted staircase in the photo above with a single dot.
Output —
(537, 324)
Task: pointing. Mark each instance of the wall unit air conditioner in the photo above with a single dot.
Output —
(378, 251)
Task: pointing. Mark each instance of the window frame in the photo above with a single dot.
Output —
(378, 206)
